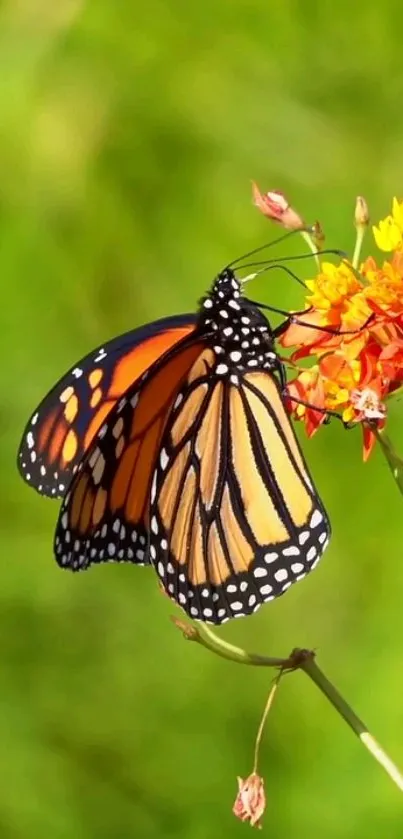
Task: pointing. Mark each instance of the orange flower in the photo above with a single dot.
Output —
(352, 330)
(250, 802)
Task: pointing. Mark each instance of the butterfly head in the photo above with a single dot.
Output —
(238, 328)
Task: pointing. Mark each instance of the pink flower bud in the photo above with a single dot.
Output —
(250, 802)
(275, 206)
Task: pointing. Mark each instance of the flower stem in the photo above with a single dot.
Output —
(204, 636)
(358, 245)
(306, 235)
(313, 671)
(269, 703)
(395, 462)
(297, 660)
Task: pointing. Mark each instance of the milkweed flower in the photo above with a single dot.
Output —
(351, 332)
(250, 802)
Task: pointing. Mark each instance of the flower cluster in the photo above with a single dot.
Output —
(351, 331)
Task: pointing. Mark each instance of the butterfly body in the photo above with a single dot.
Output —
(195, 468)
(240, 334)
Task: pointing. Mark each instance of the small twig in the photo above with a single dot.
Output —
(299, 659)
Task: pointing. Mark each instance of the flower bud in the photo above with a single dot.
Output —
(361, 215)
(318, 236)
(250, 802)
(275, 206)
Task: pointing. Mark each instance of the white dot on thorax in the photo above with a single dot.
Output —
(221, 369)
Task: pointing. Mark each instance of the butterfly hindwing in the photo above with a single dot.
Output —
(62, 428)
(234, 517)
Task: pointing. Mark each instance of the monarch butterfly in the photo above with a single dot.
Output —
(171, 446)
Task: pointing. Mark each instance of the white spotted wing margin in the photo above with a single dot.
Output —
(104, 516)
(235, 519)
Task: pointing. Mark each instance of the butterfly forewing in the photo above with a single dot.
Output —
(105, 513)
(62, 428)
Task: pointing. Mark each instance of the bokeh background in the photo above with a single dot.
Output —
(129, 134)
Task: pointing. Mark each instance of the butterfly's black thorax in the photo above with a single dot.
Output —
(238, 332)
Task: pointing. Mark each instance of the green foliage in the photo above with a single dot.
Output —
(129, 134)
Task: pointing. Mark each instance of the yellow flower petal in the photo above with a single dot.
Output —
(348, 414)
(387, 236)
(397, 211)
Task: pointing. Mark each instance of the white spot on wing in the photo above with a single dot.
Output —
(316, 519)
(297, 567)
(291, 551)
(311, 553)
(271, 556)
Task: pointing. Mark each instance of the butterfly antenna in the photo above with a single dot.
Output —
(270, 264)
(284, 268)
(263, 247)
(294, 258)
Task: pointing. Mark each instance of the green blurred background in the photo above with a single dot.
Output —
(129, 134)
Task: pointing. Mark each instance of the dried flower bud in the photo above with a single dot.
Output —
(275, 206)
(250, 802)
(361, 215)
(318, 235)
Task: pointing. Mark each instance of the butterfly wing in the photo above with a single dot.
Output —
(104, 515)
(62, 428)
(234, 516)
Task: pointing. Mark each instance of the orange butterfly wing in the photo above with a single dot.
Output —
(64, 425)
(104, 516)
(234, 517)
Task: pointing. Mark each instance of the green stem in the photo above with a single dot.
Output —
(212, 642)
(361, 230)
(298, 660)
(311, 244)
(395, 462)
(313, 671)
